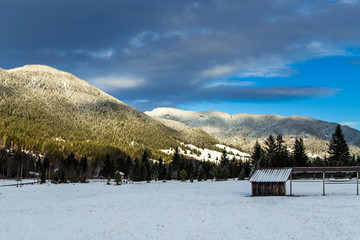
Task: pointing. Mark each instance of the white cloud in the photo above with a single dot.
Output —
(269, 72)
(116, 83)
(141, 101)
(350, 124)
(145, 37)
(140, 39)
(272, 66)
(218, 71)
(320, 49)
(219, 83)
(105, 53)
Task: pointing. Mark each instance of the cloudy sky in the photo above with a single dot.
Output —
(277, 56)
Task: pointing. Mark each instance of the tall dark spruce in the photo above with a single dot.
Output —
(300, 159)
(339, 154)
(257, 158)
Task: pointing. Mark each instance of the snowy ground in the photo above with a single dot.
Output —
(176, 210)
(209, 155)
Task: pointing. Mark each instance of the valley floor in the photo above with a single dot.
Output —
(176, 210)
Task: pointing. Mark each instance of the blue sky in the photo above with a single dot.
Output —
(338, 73)
(270, 56)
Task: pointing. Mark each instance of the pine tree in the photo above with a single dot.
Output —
(169, 172)
(189, 168)
(240, 166)
(136, 171)
(176, 158)
(70, 160)
(191, 177)
(208, 167)
(201, 174)
(68, 169)
(45, 164)
(242, 174)
(224, 161)
(217, 173)
(175, 164)
(145, 167)
(233, 169)
(318, 162)
(338, 149)
(281, 157)
(299, 156)
(160, 170)
(270, 149)
(247, 168)
(143, 172)
(38, 165)
(257, 155)
(84, 165)
(155, 171)
(108, 168)
(128, 166)
(225, 173)
(43, 177)
(183, 175)
(180, 167)
(163, 171)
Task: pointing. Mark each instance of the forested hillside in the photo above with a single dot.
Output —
(49, 111)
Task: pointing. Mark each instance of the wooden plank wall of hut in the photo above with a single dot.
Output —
(268, 188)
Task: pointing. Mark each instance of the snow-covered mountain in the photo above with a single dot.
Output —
(243, 129)
(47, 110)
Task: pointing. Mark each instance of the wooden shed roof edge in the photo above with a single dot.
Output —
(270, 175)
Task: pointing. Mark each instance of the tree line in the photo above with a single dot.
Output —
(72, 168)
(179, 168)
(275, 153)
(80, 169)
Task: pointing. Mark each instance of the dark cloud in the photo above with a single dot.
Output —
(172, 50)
(228, 93)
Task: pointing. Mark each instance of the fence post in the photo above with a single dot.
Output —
(323, 183)
(291, 184)
(357, 183)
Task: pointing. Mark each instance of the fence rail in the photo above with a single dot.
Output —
(19, 184)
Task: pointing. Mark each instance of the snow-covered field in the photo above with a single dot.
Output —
(176, 210)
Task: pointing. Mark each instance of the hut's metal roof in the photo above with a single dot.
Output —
(271, 175)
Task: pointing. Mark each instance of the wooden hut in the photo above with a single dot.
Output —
(269, 181)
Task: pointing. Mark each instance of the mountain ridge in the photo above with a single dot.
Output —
(169, 109)
(243, 129)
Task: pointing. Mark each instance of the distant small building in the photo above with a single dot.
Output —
(269, 181)
(122, 175)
